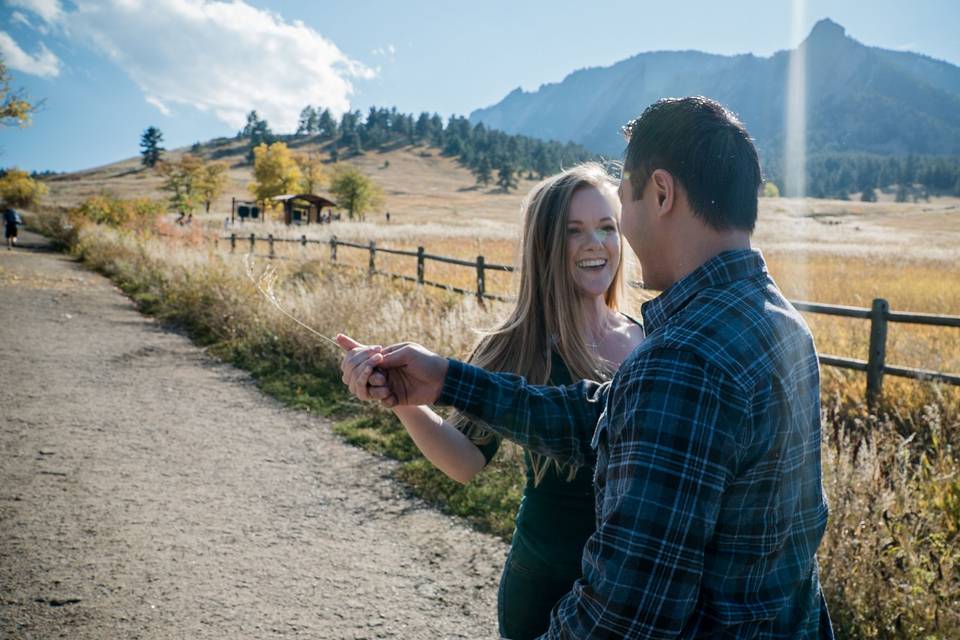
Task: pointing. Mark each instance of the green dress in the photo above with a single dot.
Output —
(552, 525)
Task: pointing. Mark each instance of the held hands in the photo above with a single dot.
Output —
(401, 374)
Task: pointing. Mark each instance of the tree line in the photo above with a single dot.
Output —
(840, 175)
(491, 155)
(497, 157)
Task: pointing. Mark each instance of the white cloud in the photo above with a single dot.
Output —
(49, 10)
(222, 57)
(16, 17)
(44, 63)
(155, 101)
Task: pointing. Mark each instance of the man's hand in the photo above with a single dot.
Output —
(401, 374)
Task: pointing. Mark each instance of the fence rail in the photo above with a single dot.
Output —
(878, 314)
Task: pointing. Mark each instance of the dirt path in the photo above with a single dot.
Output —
(147, 491)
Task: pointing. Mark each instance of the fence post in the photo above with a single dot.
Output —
(233, 242)
(481, 282)
(270, 242)
(878, 350)
(373, 257)
(333, 248)
(253, 241)
(420, 265)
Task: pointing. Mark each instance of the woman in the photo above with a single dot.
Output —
(566, 326)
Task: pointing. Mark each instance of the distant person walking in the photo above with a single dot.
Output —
(11, 221)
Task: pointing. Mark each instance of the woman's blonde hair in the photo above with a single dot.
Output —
(547, 315)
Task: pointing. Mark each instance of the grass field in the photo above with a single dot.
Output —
(890, 558)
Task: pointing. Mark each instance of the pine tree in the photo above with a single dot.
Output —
(483, 172)
(436, 130)
(307, 124)
(506, 179)
(326, 125)
(258, 132)
(421, 129)
(902, 194)
(150, 147)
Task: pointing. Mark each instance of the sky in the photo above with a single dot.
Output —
(105, 70)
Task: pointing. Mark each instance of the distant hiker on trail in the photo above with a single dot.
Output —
(11, 220)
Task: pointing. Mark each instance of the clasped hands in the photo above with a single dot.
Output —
(400, 374)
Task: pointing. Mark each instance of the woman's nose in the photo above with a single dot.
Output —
(598, 236)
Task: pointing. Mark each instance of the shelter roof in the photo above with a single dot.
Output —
(312, 198)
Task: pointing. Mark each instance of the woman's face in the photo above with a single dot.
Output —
(593, 241)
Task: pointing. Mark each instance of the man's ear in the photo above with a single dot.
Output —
(664, 190)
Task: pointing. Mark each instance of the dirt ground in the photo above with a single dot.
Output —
(148, 491)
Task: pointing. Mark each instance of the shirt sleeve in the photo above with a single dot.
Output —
(553, 421)
(669, 457)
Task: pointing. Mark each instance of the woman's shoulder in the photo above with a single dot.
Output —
(631, 326)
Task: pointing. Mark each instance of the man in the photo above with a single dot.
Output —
(11, 221)
(708, 483)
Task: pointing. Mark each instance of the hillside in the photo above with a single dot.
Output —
(418, 183)
(860, 99)
(422, 187)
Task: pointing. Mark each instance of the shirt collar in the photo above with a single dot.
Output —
(721, 269)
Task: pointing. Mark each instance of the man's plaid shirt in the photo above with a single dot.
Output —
(708, 482)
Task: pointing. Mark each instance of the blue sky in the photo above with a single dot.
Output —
(107, 69)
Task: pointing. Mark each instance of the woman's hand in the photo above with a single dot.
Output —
(358, 365)
(401, 374)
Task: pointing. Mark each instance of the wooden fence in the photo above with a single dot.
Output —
(879, 314)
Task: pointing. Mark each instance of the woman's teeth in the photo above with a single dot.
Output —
(595, 263)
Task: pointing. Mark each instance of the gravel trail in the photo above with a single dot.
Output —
(149, 491)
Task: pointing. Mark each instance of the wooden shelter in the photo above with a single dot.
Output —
(303, 208)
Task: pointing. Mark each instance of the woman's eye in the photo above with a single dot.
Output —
(572, 231)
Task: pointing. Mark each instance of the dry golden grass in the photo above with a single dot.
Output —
(828, 251)
(422, 187)
(908, 282)
(890, 559)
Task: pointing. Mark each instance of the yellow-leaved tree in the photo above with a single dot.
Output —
(181, 179)
(213, 180)
(275, 173)
(18, 189)
(14, 108)
(313, 173)
(354, 191)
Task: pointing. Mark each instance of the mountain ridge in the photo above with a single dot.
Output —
(862, 99)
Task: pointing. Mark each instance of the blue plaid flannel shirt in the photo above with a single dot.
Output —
(710, 505)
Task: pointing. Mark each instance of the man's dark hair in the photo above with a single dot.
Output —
(706, 149)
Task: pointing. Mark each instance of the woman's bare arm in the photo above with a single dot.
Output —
(445, 446)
